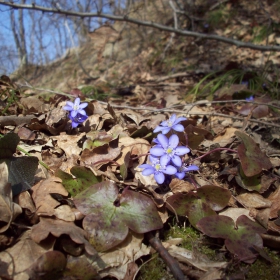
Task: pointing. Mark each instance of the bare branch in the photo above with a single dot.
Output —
(162, 27)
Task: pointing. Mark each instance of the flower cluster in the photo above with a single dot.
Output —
(77, 113)
(165, 156)
(251, 98)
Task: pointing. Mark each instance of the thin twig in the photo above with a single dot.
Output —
(158, 26)
(168, 259)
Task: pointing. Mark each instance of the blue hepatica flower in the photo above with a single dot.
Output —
(77, 113)
(182, 170)
(167, 149)
(159, 167)
(75, 108)
(251, 98)
(172, 123)
(78, 119)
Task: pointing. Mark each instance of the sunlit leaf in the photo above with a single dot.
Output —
(83, 179)
(109, 216)
(253, 160)
(203, 203)
(240, 239)
(8, 145)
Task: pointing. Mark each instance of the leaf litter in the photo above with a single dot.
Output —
(94, 205)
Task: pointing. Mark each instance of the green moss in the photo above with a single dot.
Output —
(263, 270)
(98, 93)
(190, 239)
(154, 269)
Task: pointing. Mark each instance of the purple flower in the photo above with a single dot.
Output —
(158, 167)
(251, 98)
(181, 171)
(246, 83)
(78, 119)
(167, 149)
(75, 108)
(172, 123)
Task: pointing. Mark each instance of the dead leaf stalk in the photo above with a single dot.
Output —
(168, 259)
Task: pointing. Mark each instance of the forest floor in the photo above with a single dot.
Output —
(87, 203)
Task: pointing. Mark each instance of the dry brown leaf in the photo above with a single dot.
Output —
(45, 204)
(103, 154)
(23, 254)
(118, 259)
(196, 259)
(235, 213)
(226, 137)
(275, 199)
(253, 200)
(65, 213)
(32, 103)
(8, 209)
(177, 186)
(136, 146)
(69, 143)
(56, 227)
(25, 201)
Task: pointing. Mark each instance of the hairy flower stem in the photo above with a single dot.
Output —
(213, 151)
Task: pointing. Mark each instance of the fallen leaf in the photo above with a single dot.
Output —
(253, 200)
(252, 159)
(84, 178)
(240, 238)
(44, 202)
(56, 227)
(202, 203)
(109, 216)
(8, 209)
(26, 247)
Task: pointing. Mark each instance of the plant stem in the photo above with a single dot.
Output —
(212, 151)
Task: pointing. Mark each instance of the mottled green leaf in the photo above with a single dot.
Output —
(202, 203)
(240, 239)
(8, 145)
(109, 216)
(84, 178)
(252, 159)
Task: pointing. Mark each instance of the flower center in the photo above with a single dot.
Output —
(157, 167)
(76, 107)
(169, 150)
(169, 123)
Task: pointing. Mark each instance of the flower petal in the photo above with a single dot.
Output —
(144, 166)
(165, 130)
(192, 168)
(181, 150)
(73, 113)
(163, 140)
(164, 123)
(74, 124)
(148, 171)
(178, 127)
(164, 160)
(69, 103)
(156, 151)
(83, 105)
(82, 112)
(180, 175)
(158, 129)
(180, 119)
(173, 141)
(172, 118)
(153, 159)
(176, 160)
(170, 170)
(67, 108)
(77, 101)
(159, 177)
